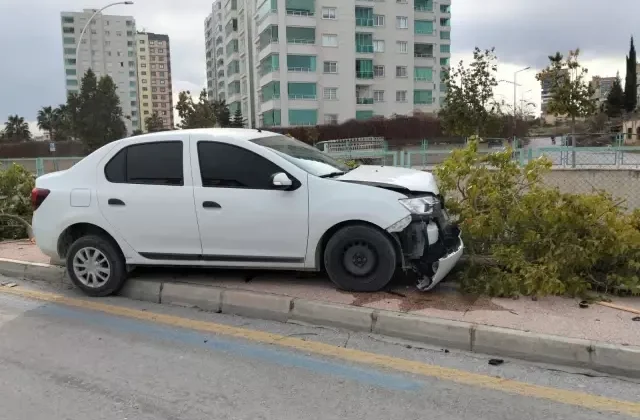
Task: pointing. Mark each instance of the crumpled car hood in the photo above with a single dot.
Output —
(410, 179)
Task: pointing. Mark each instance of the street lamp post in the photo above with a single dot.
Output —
(515, 99)
(89, 22)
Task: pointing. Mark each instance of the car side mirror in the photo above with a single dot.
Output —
(281, 181)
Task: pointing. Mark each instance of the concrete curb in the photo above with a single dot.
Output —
(598, 356)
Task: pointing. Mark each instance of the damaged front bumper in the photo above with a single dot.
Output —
(431, 246)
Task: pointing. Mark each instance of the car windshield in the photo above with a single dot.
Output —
(303, 156)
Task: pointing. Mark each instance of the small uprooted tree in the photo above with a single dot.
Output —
(524, 238)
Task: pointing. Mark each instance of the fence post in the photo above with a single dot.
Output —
(530, 155)
(39, 166)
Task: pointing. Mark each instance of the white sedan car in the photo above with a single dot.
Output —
(240, 198)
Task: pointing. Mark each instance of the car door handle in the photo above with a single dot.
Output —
(115, 202)
(211, 205)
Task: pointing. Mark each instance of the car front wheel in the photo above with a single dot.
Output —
(360, 258)
(96, 266)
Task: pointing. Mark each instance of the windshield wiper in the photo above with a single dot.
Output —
(332, 174)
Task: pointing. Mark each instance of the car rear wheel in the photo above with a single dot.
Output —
(96, 266)
(360, 258)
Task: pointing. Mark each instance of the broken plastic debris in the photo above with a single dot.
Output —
(636, 318)
(584, 304)
(496, 362)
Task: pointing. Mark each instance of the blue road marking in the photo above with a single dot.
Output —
(270, 354)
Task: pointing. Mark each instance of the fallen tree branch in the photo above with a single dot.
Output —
(618, 307)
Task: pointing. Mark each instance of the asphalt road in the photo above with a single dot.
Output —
(77, 359)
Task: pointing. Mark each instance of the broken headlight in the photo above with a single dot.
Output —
(421, 205)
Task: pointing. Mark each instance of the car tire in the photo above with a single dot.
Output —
(360, 258)
(105, 269)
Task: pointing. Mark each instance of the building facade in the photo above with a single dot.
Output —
(108, 48)
(601, 88)
(155, 93)
(230, 56)
(328, 61)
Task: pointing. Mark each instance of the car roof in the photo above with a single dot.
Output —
(238, 134)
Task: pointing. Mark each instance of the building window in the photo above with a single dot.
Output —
(160, 50)
(145, 96)
(143, 73)
(142, 41)
(162, 89)
(154, 89)
(402, 22)
(445, 48)
(330, 93)
(162, 82)
(328, 13)
(161, 66)
(153, 73)
(378, 96)
(445, 35)
(331, 119)
(143, 65)
(378, 71)
(401, 71)
(329, 40)
(144, 80)
(401, 1)
(143, 49)
(401, 96)
(330, 67)
(151, 50)
(378, 20)
(402, 47)
(378, 46)
(161, 74)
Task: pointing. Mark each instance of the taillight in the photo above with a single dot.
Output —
(37, 197)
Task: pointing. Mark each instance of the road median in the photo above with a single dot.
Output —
(495, 341)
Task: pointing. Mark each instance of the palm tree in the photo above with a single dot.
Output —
(16, 128)
(46, 120)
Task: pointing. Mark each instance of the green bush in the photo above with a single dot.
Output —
(16, 184)
(524, 238)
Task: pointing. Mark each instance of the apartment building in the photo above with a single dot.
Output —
(329, 61)
(601, 88)
(155, 93)
(230, 57)
(108, 48)
(546, 86)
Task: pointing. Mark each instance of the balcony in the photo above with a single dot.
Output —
(364, 101)
(423, 6)
(304, 8)
(364, 74)
(423, 27)
(302, 91)
(364, 69)
(423, 51)
(364, 42)
(301, 63)
(267, 37)
(363, 48)
(297, 35)
(364, 16)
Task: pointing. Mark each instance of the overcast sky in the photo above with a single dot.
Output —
(524, 33)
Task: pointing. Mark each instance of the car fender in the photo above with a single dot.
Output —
(333, 203)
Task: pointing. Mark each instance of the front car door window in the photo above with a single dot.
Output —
(227, 166)
(242, 217)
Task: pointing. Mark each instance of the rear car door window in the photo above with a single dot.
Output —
(157, 163)
(226, 166)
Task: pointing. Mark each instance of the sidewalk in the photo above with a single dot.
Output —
(553, 315)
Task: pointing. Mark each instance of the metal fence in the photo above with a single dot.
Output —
(41, 166)
(614, 168)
